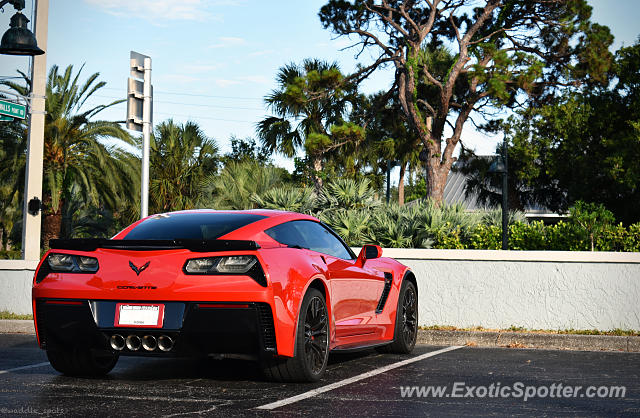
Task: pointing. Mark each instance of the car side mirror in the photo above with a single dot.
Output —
(369, 252)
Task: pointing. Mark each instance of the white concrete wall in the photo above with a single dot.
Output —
(16, 277)
(492, 289)
(531, 289)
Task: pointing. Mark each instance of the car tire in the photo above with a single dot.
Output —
(406, 328)
(312, 345)
(79, 361)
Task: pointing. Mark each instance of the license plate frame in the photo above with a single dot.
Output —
(137, 315)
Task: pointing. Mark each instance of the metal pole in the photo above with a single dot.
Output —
(31, 224)
(146, 134)
(505, 200)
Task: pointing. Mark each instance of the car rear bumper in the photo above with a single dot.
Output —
(195, 328)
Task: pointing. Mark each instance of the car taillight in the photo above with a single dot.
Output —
(227, 265)
(60, 262)
(87, 264)
(67, 263)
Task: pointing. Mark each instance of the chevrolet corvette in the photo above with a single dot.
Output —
(280, 288)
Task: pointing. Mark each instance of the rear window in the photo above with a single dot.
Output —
(201, 226)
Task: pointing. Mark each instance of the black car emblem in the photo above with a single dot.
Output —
(139, 270)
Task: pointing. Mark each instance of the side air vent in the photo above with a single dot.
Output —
(265, 318)
(388, 280)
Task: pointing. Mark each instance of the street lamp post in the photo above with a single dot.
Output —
(500, 166)
(18, 40)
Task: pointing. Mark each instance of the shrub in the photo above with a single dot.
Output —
(486, 237)
(594, 219)
(565, 236)
(632, 241)
(528, 236)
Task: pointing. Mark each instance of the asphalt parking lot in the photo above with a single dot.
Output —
(362, 384)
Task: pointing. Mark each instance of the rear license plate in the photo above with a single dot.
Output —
(139, 315)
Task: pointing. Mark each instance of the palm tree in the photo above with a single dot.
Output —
(74, 151)
(13, 143)
(347, 194)
(180, 157)
(294, 199)
(309, 101)
(238, 183)
(354, 226)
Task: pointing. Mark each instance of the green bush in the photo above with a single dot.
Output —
(565, 236)
(450, 238)
(632, 241)
(10, 254)
(531, 236)
(619, 238)
(486, 237)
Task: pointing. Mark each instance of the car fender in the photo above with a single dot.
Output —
(319, 278)
(290, 281)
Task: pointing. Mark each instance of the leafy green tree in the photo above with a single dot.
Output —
(247, 150)
(499, 49)
(181, 155)
(309, 105)
(74, 151)
(582, 145)
(592, 218)
(394, 139)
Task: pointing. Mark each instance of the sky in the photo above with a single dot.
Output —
(213, 61)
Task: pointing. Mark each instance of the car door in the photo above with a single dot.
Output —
(355, 290)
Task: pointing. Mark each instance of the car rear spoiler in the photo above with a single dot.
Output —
(198, 246)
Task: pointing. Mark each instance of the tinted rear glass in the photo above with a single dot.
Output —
(191, 225)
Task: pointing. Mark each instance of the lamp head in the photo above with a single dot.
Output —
(18, 39)
(497, 166)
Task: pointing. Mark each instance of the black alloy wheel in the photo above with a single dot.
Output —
(410, 315)
(315, 335)
(311, 348)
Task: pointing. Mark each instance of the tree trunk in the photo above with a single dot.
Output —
(403, 167)
(51, 227)
(316, 160)
(437, 179)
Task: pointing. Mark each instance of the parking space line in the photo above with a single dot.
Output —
(354, 379)
(31, 366)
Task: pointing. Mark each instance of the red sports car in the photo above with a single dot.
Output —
(279, 287)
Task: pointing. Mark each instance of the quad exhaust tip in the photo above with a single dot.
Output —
(133, 342)
(165, 343)
(149, 342)
(117, 342)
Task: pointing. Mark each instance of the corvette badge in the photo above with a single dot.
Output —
(140, 269)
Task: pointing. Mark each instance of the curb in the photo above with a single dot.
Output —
(530, 340)
(469, 338)
(16, 326)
